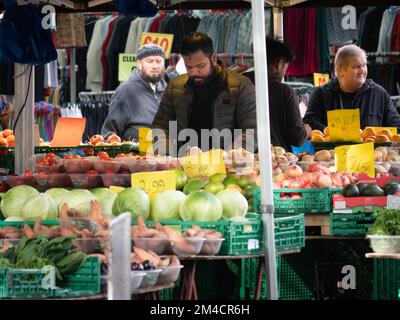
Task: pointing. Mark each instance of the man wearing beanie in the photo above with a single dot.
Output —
(135, 102)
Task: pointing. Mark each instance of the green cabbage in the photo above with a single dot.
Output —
(79, 199)
(166, 205)
(133, 200)
(234, 203)
(13, 201)
(40, 206)
(201, 206)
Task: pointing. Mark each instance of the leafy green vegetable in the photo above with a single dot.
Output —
(387, 222)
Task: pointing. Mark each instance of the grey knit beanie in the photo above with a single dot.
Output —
(149, 49)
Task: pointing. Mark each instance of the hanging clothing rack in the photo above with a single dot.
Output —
(384, 54)
(225, 57)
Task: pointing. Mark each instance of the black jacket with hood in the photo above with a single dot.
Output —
(376, 108)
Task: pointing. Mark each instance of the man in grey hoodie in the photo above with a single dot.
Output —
(135, 102)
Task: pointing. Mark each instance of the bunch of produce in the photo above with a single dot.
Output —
(387, 161)
(384, 135)
(387, 222)
(7, 138)
(148, 260)
(317, 176)
(38, 251)
(281, 160)
(362, 189)
(319, 136)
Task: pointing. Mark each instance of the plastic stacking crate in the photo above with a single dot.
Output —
(89, 150)
(291, 285)
(317, 200)
(386, 279)
(333, 144)
(246, 237)
(289, 232)
(344, 224)
(27, 283)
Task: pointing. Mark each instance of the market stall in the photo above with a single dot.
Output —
(290, 184)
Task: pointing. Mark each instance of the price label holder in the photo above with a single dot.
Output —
(145, 141)
(344, 125)
(154, 182)
(393, 130)
(393, 201)
(126, 64)
(68, 132)
(357, 158)
(320, 79)
(116, 189)
(204, 164)
(164, 40)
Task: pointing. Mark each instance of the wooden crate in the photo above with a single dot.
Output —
(317, 224)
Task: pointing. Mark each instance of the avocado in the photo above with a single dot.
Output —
(361, 186)
(387, 185)
(392, 188)
(372, 190)
(351, 190)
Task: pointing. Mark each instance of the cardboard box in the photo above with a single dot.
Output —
(342, 204)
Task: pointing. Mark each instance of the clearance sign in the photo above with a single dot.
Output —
(162, 39)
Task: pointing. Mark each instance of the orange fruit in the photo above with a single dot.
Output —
(382, 138)
(367, 132)
(326, 132)
(396, 138)
(317, 138)
(95, 139)
(100, 143)
(386, 132)
(327, 138)
(370, 139)
(3, 142)
(7, 132)
(11, 140)
(113, 138)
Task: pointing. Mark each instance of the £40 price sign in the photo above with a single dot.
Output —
(162, 39)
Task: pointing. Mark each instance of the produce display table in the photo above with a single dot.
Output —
(189, 290)
(382, 255)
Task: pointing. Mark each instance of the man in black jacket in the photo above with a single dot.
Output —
(350, 89)
(208, 104)
(286, 126)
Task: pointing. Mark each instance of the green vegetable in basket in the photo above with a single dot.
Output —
(387, 222)
(14, 199)
(234, 204)
(166, 205)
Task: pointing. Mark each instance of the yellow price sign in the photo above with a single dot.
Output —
(393, 130)
(320, 79)
(154, 182)
(126, 64)
(164, 40)
(145, 141)
(357, 158)
(344, 125)
(204, 164)
(116, 189)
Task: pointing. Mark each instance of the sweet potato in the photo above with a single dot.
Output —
(159, 227)
(64, 211)
(175, 261)
(141, 224)
(102, 234)
(172, 234)
(142, 255)
(27, 231)
(135, 232)
(190, 232)
(165, 262)
(5, 247)
(38, 226)
(149, 233)
(55, 232)
(183, 246)
(156, 257)
(66, 232)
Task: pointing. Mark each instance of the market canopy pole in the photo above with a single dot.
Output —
(264, 144)
(24, 83)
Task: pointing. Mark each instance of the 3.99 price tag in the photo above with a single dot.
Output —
(162, 39)
(154, 182)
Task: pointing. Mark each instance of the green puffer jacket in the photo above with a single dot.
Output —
(234, 108)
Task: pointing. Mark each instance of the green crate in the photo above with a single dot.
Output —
(317, 200)
(289, 232)
(85, 282)
(20, 224)
(247, 237)
(89, 150)
(343, 224)
(386, 279)
(291, 286)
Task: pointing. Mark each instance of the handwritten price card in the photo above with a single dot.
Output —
(204, 164)
(344, 125)
(356, 159)
(154, 182)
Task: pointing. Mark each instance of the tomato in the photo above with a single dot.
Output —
(43, 162)
(51, 156)
(28, 173)
(92, 172)
(121, 155)
(103, 154)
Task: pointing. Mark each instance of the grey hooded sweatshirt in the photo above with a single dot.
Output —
(133, 106)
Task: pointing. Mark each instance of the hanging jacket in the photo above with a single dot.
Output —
(133, 106)
(376, 108)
